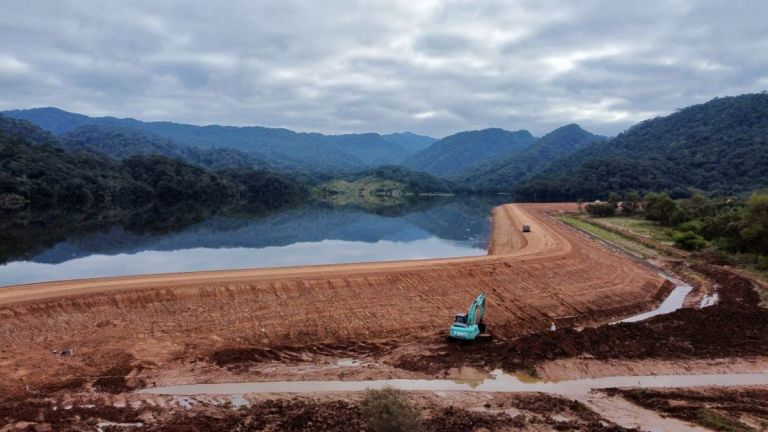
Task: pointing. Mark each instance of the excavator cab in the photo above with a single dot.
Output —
(468, 326)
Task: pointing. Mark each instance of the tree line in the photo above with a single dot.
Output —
(40, 175)
(732, 225)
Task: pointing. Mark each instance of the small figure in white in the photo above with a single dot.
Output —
(552, 326)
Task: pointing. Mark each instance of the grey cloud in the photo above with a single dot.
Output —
(433, 67)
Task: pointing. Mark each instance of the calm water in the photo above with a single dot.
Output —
(43, 248)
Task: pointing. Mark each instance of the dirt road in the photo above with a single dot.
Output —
(142, 322)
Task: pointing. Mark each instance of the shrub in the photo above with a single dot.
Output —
(388, 410)
(689, 241)
(762, 262)
(601, 209)
(692, 226)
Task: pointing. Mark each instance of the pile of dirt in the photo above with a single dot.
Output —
(736, 326)
(720, 409)
(114, 377)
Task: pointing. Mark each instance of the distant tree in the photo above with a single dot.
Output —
(663, 209)
(689, 240)
(755, 229)
(631, 203)
(601, 209)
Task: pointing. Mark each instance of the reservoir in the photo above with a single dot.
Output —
(39, 248)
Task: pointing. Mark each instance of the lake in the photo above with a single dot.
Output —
(66, 245)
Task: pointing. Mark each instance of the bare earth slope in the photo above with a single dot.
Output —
(552, 273)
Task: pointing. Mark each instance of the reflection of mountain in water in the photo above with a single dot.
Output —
(463, 219)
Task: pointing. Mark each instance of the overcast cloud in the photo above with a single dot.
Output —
(382, 66)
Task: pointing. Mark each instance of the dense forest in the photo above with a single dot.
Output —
(458, 152)
(719, 147)
(35, 173)
(121, 143)
(498, 173)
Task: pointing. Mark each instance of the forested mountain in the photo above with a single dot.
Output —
(42, 175)
(122, 142)
(720, 147)
(457, 152)
(276, 147)
(410, 141)
(25, 130)
(502, 175)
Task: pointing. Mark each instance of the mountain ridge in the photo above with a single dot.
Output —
(461, 150)
(278, 146)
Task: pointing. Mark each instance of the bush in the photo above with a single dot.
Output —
(388, 410)
(690, 226)
(762, 262)
(601, 209)
(689, 241)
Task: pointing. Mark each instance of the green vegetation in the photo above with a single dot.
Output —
(388, 410)
(726, 230)
(610, 236)
(281, 148)
(719, 147)
(643, 227)
(122, 143)
(367, 191)
(458, 152)
(499, 175)
(716, 421)
(46, 176)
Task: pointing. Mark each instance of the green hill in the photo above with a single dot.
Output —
(41, 175)
(502, 175)
(122, 142)
(458, 152)
(719, 147)
(274, 146)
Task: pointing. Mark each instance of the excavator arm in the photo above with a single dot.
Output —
(477, 310)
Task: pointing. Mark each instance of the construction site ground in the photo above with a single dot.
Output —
(85, 346)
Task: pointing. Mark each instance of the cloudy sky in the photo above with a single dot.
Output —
(433, 67)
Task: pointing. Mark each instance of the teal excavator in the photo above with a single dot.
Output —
(470, 326)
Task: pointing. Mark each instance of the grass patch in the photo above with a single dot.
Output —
(640, 226)
(714, 420)
(611, 237)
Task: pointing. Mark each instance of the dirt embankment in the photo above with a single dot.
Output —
(161, 321)
(735, 327)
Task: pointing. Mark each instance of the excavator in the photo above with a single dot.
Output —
(469, 326)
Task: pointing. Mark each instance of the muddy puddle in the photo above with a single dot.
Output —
(498, 382)
(673, 302)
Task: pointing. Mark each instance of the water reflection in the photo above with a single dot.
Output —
(40, 248)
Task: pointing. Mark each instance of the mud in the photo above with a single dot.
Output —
(528, 412)
(735, 327)
(736, 410)
(234, 357)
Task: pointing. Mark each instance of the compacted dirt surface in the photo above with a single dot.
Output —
(72, 353)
